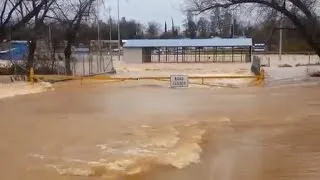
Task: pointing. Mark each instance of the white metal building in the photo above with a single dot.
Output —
(188, 50)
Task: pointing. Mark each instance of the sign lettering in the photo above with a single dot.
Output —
(179, 81)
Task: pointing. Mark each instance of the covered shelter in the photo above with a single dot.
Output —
(188, 50)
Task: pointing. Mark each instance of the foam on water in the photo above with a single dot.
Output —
(73, 171)
(144, 148)
(22, 88)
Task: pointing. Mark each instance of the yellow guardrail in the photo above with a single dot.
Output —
(259, 79)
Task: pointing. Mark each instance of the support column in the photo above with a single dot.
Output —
(177, 54)
(195, 54)
(250, 54)
(232, 53)
(223, 57)
(216, 54)
(199, 55)
(166, 54)
(159, 54)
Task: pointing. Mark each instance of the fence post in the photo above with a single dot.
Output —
(309, 58)
(91, 64)
(103, 63)
(83, 65)
(15, 69)
(98, 64)
(58, 67)
(65, 67)
(74, 66)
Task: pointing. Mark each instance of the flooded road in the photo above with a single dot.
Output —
(144, 130)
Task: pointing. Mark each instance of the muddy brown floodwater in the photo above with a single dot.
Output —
(146, 130)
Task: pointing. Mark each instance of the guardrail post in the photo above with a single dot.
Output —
(31, 75)
(262, 74)
(261, 77)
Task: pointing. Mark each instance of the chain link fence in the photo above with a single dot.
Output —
(84, 61)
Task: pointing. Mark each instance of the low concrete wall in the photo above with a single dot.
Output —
(256, 64)
(132, 55)
(292, 59)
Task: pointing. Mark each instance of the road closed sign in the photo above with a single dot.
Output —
(177, 81)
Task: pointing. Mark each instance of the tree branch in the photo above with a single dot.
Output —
(11, 12)
(299, 23)
(302, 7)
(3, 11)
(30, 15)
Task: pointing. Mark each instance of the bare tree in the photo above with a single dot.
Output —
(302, 13)
(220, 22)
(70, 14)
(153, 30)
(38, 25)
(203, 27)
(190, 26)
(225, 23)
(14, 14)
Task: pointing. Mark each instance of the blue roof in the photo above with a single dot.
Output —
(135, 43)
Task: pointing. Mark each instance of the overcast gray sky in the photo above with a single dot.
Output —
(145, 11)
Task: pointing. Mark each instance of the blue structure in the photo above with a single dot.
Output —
(17, 51)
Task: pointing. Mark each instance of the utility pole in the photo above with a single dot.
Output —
(110, 34)
(232, 25)
(50, 42)
(99, 45)
(280, 39)
(118, 4)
